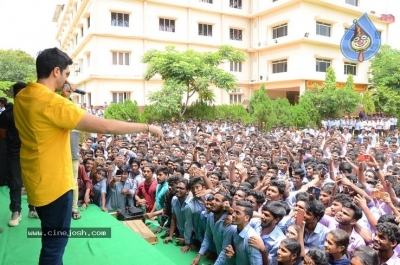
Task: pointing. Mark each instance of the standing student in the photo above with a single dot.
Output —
(9, 133)
(44, 119)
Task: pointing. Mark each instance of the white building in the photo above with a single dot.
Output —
(289, 43)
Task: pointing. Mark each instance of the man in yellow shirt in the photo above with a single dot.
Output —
(44, 120)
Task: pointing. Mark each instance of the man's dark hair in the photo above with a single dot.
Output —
(357, 211)
(180, 170)
(184, 181)
(217, 173)
(86, 160)
(194, 181)
(3, 101)
(316, 208)
(248, 207)
(391, 230)
(173, 179)
(387, 218)
(17, 87)
(49, 59)
(258, 195)
(197, 164)
(342, 198)
(136, 161)
(227, 196)
(280, 185)
(163, 169)
(275, 208)
(247, 185)
(151, 166)
(302, 196)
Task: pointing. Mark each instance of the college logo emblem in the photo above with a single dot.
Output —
(361, 41)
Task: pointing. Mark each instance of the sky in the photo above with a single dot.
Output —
(27, 24)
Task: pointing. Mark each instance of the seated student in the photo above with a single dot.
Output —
(120, 191)
(211, 252)
(98, 194)
(167, 210)
(316, 256)
(288, 253)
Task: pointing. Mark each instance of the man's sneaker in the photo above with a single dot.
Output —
(15, 218)
(33, 214)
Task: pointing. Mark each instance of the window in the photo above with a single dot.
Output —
(350, 69)
(206, 1)
(323, 29)
(76, 39)
(235, 67)
(120, 97)
(235, 4)
(167, 25)
(120, 58)
(322, 65)
(235, 34)
(120, 20)
(82, 31)
(352, 2)
(279, 66)
(205, 30)
(279, 31)
(274, 0)
(235, 98)
(88, 22)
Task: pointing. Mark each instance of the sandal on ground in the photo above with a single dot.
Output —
(157, 230)
(76, 215)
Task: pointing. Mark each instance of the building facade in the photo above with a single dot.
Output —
(289, 43)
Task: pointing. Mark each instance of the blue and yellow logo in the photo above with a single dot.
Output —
(361, 41)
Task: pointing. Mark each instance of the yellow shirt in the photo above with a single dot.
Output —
(44, 120)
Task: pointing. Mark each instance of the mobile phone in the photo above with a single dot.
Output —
(229, 137)
(300, 217)
(378, 194)
(325, 171)
(210, 167)
(362, 158)
(199, 148)
(303, 151)
(212, 144)
(314, 191)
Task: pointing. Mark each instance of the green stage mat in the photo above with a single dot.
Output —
(124, 246)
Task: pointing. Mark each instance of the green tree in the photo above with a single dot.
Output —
(386, 100)
(281, 112)
(367, 102)
(348, 98)
(260, 107)
(386, 68)
(188, 73)
(15, 65)
(128, 111)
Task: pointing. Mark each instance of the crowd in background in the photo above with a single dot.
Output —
(237, 195)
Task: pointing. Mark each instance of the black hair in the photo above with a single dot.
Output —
(124, 169)
(328, 188)
(227, 197)
(345, 166)
(357, 210)
(258, 195)
(280, 185)
(366, 255)
(275, 208)
(135, 161)
(49, 59)
(387, 218)
(184, 181)
(180, 170)
(318, 256)
(194, 181)
(391, 230)
(87, 159)
(316, 208)
(248, 208)
(17, 87)
(163, 169)
(217, 173)
(250, 183)
(173, 179)
(293, 246)
(342, 198)
(302, 196)
(150, 166)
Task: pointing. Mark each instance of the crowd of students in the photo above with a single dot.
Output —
(237, 195)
